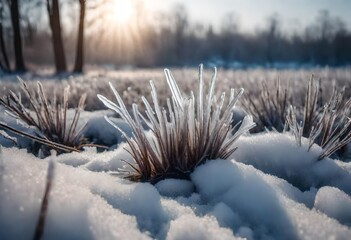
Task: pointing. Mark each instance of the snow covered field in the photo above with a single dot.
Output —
(269, 188)
(134, 83)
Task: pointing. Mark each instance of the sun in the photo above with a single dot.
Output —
(123, 11)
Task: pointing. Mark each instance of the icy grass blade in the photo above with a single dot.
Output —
(174, 88)
(187, 132)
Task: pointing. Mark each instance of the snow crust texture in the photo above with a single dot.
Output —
(270, 189)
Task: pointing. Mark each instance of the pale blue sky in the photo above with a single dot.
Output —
(295, 14)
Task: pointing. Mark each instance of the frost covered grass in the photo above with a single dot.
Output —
(270, 107)
(329, 125)
(191, 130)
(134, 83)
(324, 122)
(49, 117)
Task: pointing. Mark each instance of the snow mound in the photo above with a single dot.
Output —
(277, 154)
(175, 187)
(334, 203)
(262, 208)
(75, 212)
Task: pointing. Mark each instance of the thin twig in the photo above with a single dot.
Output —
(40, 140)
(39, 229)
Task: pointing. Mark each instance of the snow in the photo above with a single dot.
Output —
(99, 131)
(261, 207)
(268, 189)
(278, 154)
(225, 199)
(12, 122)
(193, 227)
(77, 208)
(175, 187)
(334, 203)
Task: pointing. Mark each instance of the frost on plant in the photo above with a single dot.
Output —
(48, 117)
(269, 108)
(186, 133)
(329, 127)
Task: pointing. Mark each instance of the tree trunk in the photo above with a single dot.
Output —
(55, 25)
(15, 17)
(78, 66)
(6, 65)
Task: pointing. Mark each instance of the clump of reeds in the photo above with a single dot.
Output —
(185, 133)
(48, 117)
(270, 107)
(328, 126)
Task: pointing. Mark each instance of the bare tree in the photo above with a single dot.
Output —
(55, 25)
(17, 38)
(229, 37)
(79, 62)
(180, 26)
(272, 33)
(30, 18)
(5, 66)
(325, 30)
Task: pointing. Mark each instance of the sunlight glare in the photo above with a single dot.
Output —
(123, 10)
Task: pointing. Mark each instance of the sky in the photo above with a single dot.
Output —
(294, 14)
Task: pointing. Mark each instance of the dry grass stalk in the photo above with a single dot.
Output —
(189, 131)
(50, 118)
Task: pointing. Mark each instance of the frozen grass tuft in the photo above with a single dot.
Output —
(269, 108)
(49, 117)
(186, 133)
(329, 127)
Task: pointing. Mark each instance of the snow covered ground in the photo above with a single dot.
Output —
(268, 189)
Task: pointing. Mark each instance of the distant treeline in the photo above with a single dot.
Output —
(169, 38)
(327, 41)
